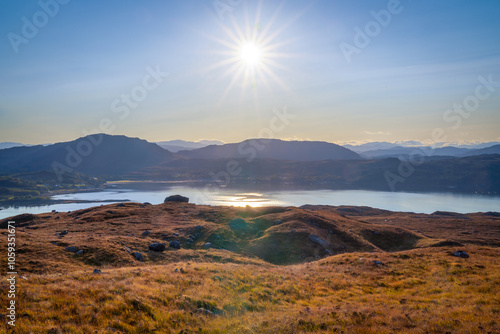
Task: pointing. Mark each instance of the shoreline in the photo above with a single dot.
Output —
(47, 202)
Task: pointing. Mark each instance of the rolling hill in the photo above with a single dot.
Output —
(6, 145)
(314, 269)
(441, 152)
(274, 149)
(495, 149)
(175, 146)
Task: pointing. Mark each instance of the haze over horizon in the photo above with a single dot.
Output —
(346, 71)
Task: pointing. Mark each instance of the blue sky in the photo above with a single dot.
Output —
(69, 77)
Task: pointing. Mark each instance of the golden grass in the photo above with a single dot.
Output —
(417, 291)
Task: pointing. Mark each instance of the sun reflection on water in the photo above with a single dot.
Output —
(246, 199)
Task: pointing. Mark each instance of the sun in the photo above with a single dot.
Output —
(250, 54)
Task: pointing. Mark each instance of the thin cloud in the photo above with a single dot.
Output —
(378, 133)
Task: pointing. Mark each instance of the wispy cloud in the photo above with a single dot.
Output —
(378, 133)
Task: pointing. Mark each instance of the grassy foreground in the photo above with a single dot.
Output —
(253, 270)
(416, 291)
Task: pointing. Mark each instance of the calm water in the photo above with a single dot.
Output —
(155, 193)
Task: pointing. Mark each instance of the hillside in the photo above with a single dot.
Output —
(175, 146)
(477, 174)
(315, 269)
(495, 149)
(274, 149)
(440, 152)
(411, 144)
(95, 155)
(279, 235)
(6, 145)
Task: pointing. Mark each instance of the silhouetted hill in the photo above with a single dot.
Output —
(476, 174)
(427, 151)
(495, 149)
(96, 155)
(412, 144)
(181, 145)
(398, 151)
(274, 149)
(6, 145)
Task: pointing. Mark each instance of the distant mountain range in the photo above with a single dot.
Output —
(368, 150)
(447, 151)
(175, 146)
(260, 161)
(375, 146)
(274, 149)
(10, 145)
(106, 155)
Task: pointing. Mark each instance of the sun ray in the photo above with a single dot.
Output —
(252, 53)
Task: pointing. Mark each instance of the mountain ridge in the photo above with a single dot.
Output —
(274, 149)
(98, 154)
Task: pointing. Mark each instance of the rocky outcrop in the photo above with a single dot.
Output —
(157, 247)
(176, 198)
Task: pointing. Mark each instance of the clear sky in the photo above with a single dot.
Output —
(357, 70)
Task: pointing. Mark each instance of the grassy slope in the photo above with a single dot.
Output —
(416, 291)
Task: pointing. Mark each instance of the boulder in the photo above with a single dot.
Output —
(317, 240)
(145, 233)
(175, 244)
(461, 254)
(378, 263)
(80, 252)
(97, 271)
(176, 198)
(207, 245)
(63, 232)
(71, 249)
(157, 247)
(138, 256)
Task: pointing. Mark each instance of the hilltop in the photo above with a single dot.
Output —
(314, 269)
(94, 155)
(260, 148)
